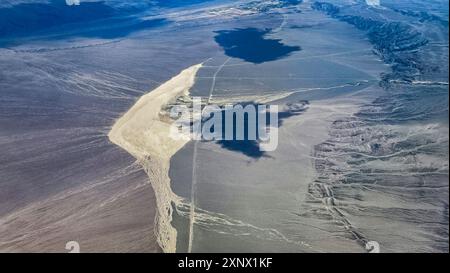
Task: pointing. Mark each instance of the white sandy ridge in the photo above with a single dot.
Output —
(373, 3)
(145, 135)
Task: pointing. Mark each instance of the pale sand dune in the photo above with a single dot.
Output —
(145, 136)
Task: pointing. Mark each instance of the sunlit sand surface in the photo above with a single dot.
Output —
(143, 133)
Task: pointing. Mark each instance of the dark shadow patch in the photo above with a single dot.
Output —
(250, 147)
(251, 45)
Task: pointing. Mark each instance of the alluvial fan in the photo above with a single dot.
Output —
(383, 172)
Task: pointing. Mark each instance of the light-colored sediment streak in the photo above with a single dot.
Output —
(373, 3)
(145, 135)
